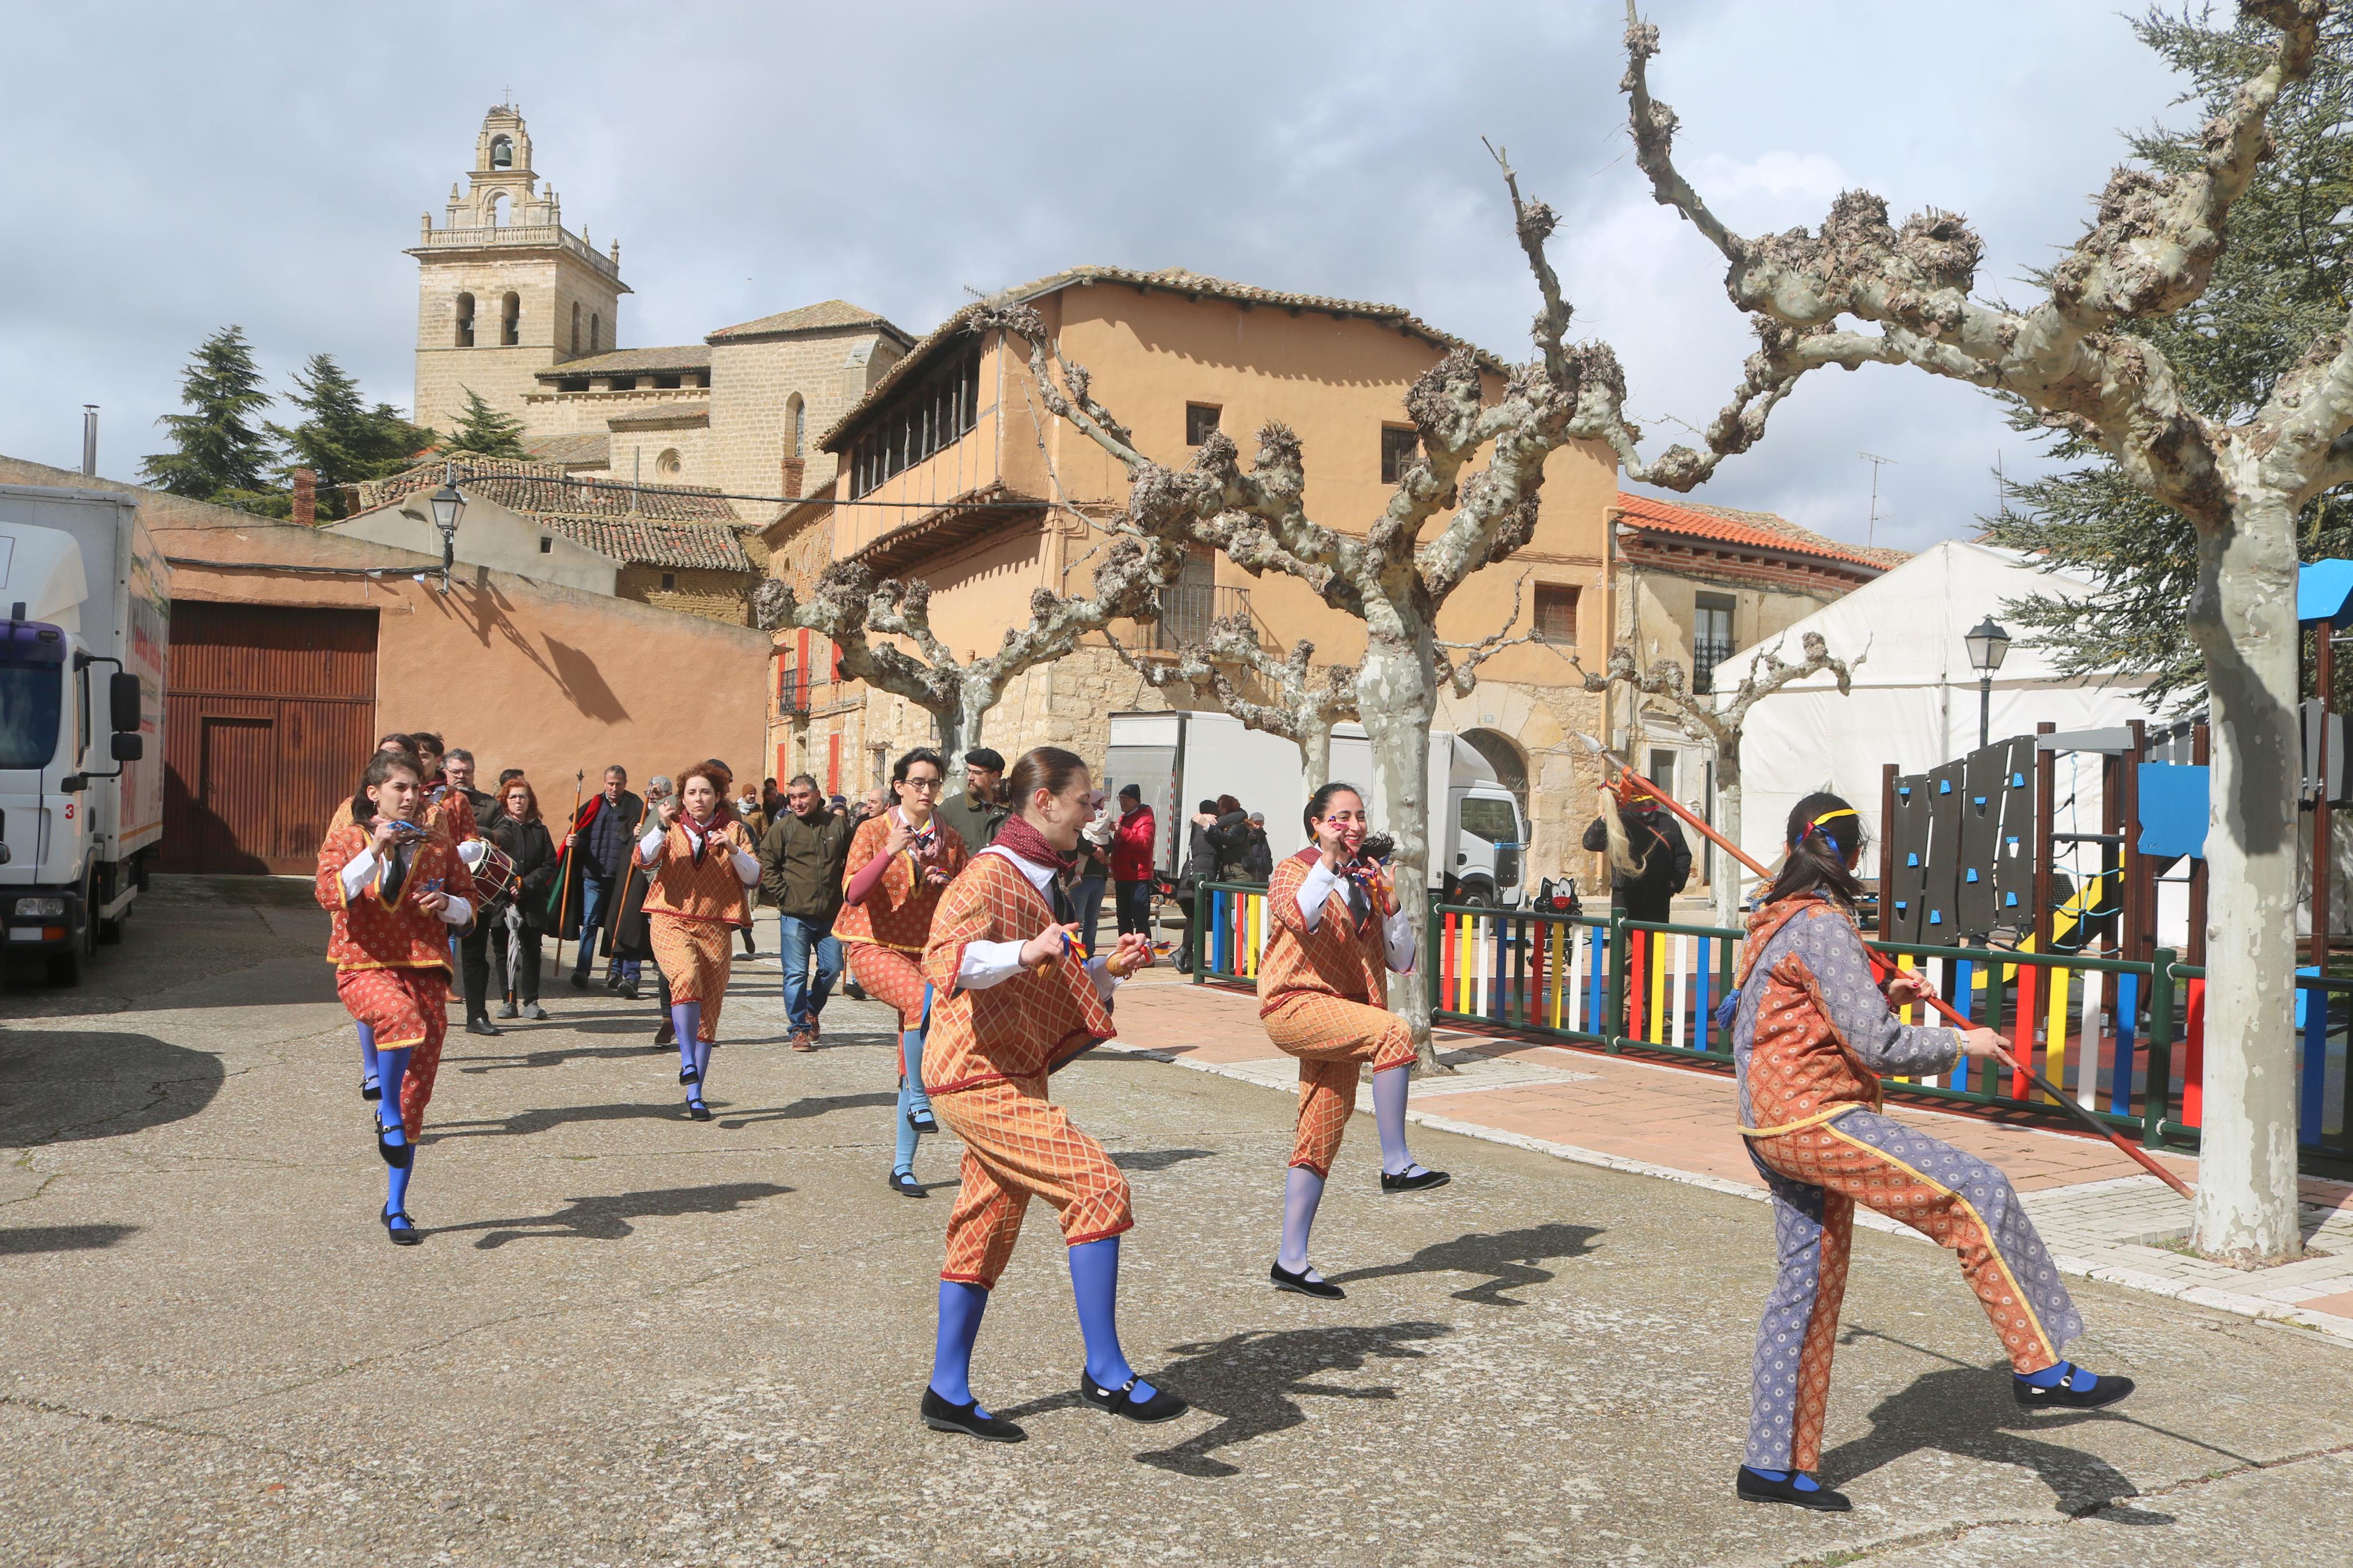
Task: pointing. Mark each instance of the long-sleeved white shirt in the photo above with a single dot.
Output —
(361, 870)
(1396, 931)
(747, 867)
(987, 963)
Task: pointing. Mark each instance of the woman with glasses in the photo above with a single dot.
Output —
(899, 862)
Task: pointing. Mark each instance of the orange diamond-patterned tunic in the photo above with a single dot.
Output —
(986, 1064)
(883, 935)
(1810, 1037)
(1315, 991)
(391, 957)
(692, 910)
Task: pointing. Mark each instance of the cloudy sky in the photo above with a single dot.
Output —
(176, 168)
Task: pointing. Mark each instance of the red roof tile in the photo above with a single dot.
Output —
(1761, 530)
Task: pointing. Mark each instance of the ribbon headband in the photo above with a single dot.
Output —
(1826, 816)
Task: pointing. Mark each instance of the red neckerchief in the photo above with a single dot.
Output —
(1018, 836)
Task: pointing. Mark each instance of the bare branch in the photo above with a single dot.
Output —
(1458, 662)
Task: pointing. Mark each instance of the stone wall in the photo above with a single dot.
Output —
(752, 387)
(546, 287)
(714, 596)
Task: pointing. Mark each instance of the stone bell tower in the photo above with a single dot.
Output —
(503, 289)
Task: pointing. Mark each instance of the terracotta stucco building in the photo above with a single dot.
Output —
(948, 468)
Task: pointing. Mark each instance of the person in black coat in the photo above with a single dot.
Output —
(1258, 855)
(1649, 859)
(517, 923)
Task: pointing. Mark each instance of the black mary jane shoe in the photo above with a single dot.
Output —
(1162, 1406)
(904, 1183)
(697, 1109)
(371, 1090)
(399, 1156)
(688, 1075)
(1754, 1487)
(2104, 1391)
(401, 1236)
(1322, 1289)
(942, 1416)
(922, 1121)
(1411, 1180)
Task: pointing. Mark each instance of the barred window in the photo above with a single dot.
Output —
(930, 416)
(1400, 443)
(1200, 422)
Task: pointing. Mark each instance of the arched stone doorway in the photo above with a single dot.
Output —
(1504, 755)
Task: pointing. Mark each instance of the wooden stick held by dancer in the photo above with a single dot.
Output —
(570, 860)
(1885, 968)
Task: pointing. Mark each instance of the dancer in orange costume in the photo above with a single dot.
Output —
(1336, 932)
(1811, 1034)
(386, 879)
(1019, 999)
(898, 863)
(700, 865)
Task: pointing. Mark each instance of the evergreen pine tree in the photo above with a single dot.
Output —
(343, 441)
(485, 431)
(221, 454)
(2279, 285)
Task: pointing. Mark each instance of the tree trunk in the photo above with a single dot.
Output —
(953, 732)
(2242, 615)
(1315, 753)
(1397, 701)
(1728, 822)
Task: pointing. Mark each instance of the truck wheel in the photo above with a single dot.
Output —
(1475, 895)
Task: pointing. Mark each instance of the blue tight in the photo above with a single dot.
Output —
(694, 1050)
(912, 1098)
(1094, 1281)
(368, 1074)
(961, 1305)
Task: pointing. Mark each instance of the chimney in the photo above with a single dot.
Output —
(792, 477)
(89, 440)
(306, 498)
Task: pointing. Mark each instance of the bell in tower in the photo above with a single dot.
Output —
(502, 153)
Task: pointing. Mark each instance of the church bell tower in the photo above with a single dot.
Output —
(503, 289)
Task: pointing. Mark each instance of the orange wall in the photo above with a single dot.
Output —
(533, 675)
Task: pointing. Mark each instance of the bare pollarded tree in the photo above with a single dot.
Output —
(2073, 358)
(1296, 698)
(1389, 575)
(1719, 719)
(883, 631)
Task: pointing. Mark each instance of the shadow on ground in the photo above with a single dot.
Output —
(61, 1237)
(57, 1087)
(607, 1218)
(1509, 1259)
(1251, 1382)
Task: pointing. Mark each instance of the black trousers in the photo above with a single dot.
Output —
(526, 948)
(1132, 903)
(474, 966)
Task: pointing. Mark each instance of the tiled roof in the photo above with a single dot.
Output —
(1177, 281)
(663, 415)
(632, 362)
(586, 450)
(1762, 530)
(829, 315)
(660, 525)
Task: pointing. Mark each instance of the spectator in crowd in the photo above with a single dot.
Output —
(474, 945)
(772, 799)
(1229, 837)
(633, 938)
(599, 840)
(1257, 857)
(755, 819)
(1087, 879)
(518, 923)
(1132, 842)
(801, 859)
(977, 811)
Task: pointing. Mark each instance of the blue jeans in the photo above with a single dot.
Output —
(598, 909)
(794, 938)
(1087, 896)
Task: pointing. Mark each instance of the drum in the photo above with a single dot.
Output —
(494, 878)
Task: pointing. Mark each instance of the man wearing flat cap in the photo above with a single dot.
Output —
(976, 810)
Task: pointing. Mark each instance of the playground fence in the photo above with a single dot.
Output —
(2125, 1041)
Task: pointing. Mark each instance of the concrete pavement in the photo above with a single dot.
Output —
(630, 1339)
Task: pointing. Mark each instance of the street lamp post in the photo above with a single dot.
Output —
(448, 506)
(1988, 645)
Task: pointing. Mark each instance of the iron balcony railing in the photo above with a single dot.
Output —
(1185, 610)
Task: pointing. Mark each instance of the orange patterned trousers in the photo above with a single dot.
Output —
(1817, 1175)
(696, 957)
(1332, 1038)
(402, 1008)
(1018, 1144)
(891, 977)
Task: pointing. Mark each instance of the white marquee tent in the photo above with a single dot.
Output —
(1914, 701)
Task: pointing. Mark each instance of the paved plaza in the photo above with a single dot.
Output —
(632, 1338)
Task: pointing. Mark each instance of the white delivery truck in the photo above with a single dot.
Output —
(83, 652)
(1478, 836)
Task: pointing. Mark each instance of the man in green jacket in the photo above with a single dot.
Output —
(976, 812)
(801, 859)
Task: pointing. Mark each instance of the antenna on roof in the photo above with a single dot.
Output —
(1871, 525)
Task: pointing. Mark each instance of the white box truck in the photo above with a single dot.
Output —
(1478, 835)
(82, 655)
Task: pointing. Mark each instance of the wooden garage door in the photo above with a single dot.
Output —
(272, 711)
